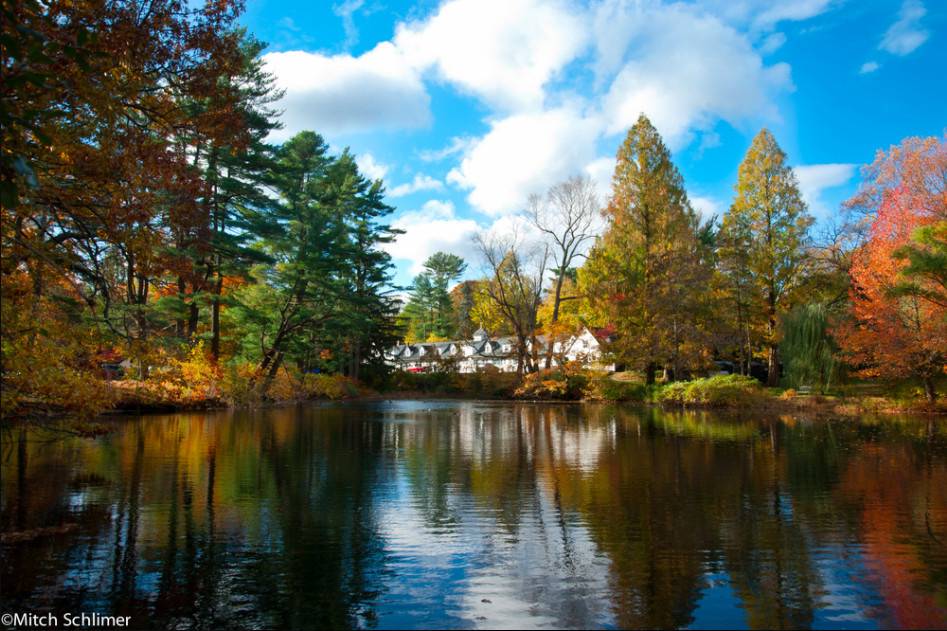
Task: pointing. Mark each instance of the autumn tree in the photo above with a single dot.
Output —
(463, 299)
(646, 275)
(765, 233)
(898, 319)
(101, 185)
(565, 216)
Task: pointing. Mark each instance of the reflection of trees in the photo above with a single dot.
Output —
(906, 548)
(243, 521)
(766, 547)
(273, 518)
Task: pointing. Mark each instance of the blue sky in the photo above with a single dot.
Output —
(465, 107)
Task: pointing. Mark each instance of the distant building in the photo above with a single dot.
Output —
(500, 352)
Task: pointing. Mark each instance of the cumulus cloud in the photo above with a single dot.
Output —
(706, 207)
(716, 75)
(345, 94)
(869, 67)
(814, 179)
(500, 51)
(907, 34)
(435, 227)
(370, 167)
(524, 154)
(601, 171)
(421, 182)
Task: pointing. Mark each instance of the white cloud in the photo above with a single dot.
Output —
(772, 43)
(524, 154)
(869, 67)
(685, 70)
(458, 144)
(816, 178)
(433, 228)
(370, 167)
(905, 35)
(706, 207)
(764, 15)
(792, 10)
(601, 171)
(343, 94)
(346, 10)
(421, 182)
(501, 51)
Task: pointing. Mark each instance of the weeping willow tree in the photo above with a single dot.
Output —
(807, 350)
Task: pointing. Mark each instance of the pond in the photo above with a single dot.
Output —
(464, 514)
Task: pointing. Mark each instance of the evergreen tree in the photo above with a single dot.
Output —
(368, 310)
(429, 313)
(305, 241)
(766, 235)
(463, 297)
(647, 275)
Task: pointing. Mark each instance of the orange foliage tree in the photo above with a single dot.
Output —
(897, 327)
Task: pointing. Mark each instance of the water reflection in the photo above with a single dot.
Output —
(459, 514)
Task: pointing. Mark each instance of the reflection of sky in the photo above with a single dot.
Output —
(847, 598)
(472, 571)
(714, 608)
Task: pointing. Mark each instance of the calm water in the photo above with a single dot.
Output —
(465, 514)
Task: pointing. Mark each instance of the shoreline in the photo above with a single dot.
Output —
(822, 407)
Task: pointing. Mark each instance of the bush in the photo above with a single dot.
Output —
(332, 387)
(563, 383)
(604, 388)
(237, 384)
(718, 391)
(47, 376)
(490, 381)
(191, 381)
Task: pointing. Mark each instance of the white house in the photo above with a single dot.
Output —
(481, 351)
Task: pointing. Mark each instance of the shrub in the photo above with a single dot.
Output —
(563, 383)
(604, 388)
(718, 391)
(191, 381)
(48, 375)
(237, 384)
(334, 387)
(284, 387)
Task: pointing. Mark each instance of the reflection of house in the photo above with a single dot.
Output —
(482, 351)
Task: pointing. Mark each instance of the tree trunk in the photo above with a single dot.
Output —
(929, 390)
(557, 300)
(192, 318)
(650, 371)
(215, 319)
(271, 374)
(179, 322)
(772, 375)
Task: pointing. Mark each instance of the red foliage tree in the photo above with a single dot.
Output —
(896, 330)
